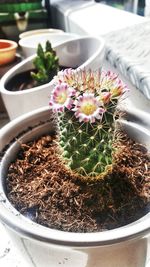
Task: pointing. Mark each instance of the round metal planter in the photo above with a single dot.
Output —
(122, 247)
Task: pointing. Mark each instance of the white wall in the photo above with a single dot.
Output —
(147, 8)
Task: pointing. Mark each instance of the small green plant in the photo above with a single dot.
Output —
(46, 64)
(86, 103)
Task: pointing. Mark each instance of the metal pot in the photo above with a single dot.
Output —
(122, 247)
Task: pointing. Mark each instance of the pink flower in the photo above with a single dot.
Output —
(65, 76)
(61, 97)
(88, 108)
(118, 89)
(105, 97)
(112, 84)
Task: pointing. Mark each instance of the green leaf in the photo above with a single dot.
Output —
(46, 64)
(48, 47)
(40, 51)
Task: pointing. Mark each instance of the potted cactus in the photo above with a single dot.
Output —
(34, 75)
(86, 120)
(79, 184)
(45, 66)
(70, 53)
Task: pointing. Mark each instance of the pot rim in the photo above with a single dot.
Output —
(10, 72)
(25, 41)
(39, 31)
(19, 223)
(13, 45)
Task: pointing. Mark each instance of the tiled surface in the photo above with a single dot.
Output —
(129, 51)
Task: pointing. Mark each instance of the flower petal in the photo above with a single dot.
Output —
(61, 97)
(87, 108)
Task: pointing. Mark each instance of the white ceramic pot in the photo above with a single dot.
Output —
(85, 52)
(29, 44)
(43, 247)
(39, 31)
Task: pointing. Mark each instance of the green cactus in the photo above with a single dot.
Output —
(46, 64)
(87, 147)
(87, 117)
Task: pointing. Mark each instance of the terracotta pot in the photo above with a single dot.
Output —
(43, 247)
(7, 51)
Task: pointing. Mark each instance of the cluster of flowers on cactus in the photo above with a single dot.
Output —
(86, 93)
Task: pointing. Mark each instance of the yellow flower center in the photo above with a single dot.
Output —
(88, 108)
(61, 98)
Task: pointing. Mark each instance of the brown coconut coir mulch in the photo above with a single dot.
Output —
(41, 188)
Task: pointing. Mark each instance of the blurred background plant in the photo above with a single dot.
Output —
(23, 15)
(46, 64)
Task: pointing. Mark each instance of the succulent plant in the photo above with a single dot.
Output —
(46, 64)
(86, 103)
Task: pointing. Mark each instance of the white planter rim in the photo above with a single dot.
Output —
(25, 42)
(10, 74)
(17, 222)
(87, 62)
(39, 31)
